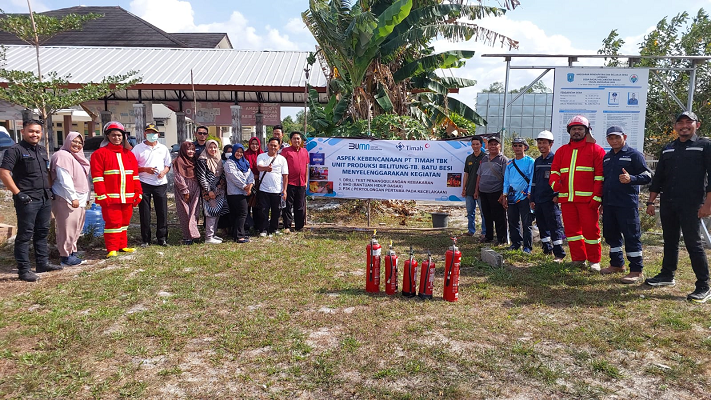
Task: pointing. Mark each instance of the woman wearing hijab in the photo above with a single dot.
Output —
(254, 214)
(240, 180)
(210, 176)
(68, 171)
(226, 153)
(187, 192)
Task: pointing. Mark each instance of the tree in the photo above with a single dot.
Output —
(681, 36)
(49, 93)
(379, 59)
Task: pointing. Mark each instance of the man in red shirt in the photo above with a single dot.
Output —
(297, 158)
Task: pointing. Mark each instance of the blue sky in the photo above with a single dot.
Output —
(541, 26)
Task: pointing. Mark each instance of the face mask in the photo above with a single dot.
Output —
(152, 137)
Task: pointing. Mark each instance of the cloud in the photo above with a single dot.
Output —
(296, 25)
(178, 16)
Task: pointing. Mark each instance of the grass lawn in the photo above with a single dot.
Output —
(288, 317)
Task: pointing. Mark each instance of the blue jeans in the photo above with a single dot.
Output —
(32, 225)
(471, 215)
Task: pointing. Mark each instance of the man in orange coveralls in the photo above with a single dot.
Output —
(114, 171)
(576, 175)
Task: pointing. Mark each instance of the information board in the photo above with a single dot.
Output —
(387, 169)
(606, 97)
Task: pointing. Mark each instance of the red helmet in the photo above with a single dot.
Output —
(579, 120)
(114, 125)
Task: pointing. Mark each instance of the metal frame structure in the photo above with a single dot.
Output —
(631, 61)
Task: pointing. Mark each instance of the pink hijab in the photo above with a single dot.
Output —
(74, 163)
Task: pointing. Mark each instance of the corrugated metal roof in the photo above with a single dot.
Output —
(224, 69)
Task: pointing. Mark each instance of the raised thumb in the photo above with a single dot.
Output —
(623, 171)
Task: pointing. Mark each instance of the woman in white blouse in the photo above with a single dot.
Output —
(68, 172)
(240, 180)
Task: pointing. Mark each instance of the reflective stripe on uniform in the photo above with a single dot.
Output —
(116, 230)
(99, 179)
(635, 254)
(122, 187)
(546, 239)
(599, 178)
(555, 172)
(562, 194)
(575, 238)
(581, 168)
(587, 194)
(102, 197)
(615, 249)
(557, 242)
(571, 180)
(564, 170)
(592, 241)
(597, 198)
(112, 172)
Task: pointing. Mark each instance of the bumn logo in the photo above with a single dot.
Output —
(358, 146)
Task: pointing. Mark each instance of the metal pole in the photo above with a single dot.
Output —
(368, 212)
(506, 92)
(692, 86)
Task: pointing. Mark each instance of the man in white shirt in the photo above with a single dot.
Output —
(274, 175)
(153, 165)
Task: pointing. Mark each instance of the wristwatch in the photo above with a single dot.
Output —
(650, 203)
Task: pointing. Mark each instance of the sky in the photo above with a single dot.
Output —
(540, 26)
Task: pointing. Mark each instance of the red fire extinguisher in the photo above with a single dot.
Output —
(372, 283)
(409, 275)
(427, 272)
(453, 260)
(391, 271)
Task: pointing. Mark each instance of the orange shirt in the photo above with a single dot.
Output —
(298, 162)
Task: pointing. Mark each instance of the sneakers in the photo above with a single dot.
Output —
(28, 276)
(49, 268)
(213, 240)
(526, 250)
(112, 253)
(128, 249)
(699, 295)
(218, 238)
(660, 280)
(70, 261)
(595, 267)
(163, 243)
(145, 244)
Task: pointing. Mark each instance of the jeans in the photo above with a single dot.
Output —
(471, 215)
(520, 216)
(238, 215)
(160, 201)
(32, 225)
(296, 199)
(677, 216)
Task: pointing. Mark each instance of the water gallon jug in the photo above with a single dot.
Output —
(93, 222)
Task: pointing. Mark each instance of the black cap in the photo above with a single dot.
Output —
(615, 130)
(495, 138)
(520, 140)
(687, 114)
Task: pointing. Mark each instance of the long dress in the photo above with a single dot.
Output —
(211, 183)
(187, 211)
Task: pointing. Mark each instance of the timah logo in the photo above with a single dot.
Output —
(358, 146)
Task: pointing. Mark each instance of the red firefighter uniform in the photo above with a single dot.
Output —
(114, 171)
(576, 174)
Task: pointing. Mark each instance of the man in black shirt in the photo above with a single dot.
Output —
(25, 172)
(682, 176)
(200, 140)
(471, 167)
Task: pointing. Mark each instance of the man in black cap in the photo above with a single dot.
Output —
(683, 175)
(624, 169)
(490, 187)
(25, 172)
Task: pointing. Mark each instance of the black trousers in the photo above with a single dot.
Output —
(32, 225)
(550, 227)
(520, 216)
(677, 216)
(296, 200)
(238, 215)
(494, 215)
(159, 194)
(269, 202)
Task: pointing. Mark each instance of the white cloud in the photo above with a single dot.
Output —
(178, 16)
(296, 25)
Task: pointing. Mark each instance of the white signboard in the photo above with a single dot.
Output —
(606, 97)
(387, 169)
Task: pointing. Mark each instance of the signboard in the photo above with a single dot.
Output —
(121, 111)
(219, 114)
(606, 97)
(387, 169)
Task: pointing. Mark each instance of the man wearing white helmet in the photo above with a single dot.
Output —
(577, 177)
(543, 200)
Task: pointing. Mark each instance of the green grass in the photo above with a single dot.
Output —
(288, 316)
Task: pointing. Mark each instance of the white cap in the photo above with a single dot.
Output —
(545, 135)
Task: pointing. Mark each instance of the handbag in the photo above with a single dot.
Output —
(252, 198)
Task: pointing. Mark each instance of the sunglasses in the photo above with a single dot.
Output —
(518, 145)
(202, 133)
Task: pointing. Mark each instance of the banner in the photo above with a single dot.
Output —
(219, 114)
(387, 169)
(606, 97)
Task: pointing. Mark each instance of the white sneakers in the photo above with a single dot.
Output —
(213, 240)
(595, 267)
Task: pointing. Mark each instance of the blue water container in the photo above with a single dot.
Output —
(93, 221)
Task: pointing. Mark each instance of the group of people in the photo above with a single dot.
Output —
(567, 191)
(233, 186)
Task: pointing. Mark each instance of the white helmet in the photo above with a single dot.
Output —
(545, 135)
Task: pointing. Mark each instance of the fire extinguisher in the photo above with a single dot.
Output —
(453, 260)
(372, 283)
(427, 272)
(409, 275)
(391, 271)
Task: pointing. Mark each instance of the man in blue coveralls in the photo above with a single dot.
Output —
(625, 171)
(547, 211)
(517, 186)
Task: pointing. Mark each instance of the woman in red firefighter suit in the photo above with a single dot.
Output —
(114, 171)
(576, 174)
